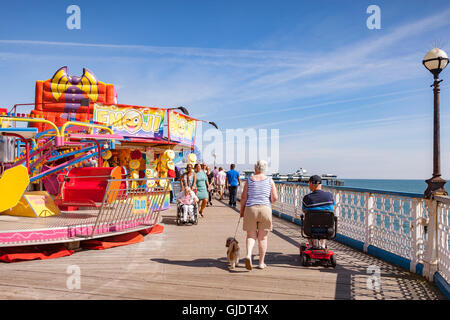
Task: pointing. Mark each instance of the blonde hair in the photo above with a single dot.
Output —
(261, 166)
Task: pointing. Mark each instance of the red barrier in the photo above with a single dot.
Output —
(113, 241)
(120, 240)
(26, 253)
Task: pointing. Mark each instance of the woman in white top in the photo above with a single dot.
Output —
(256, 208)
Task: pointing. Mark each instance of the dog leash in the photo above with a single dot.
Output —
(237, 228)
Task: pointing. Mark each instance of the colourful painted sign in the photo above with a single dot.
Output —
(182, 128)
(131, 121)
(139, 205)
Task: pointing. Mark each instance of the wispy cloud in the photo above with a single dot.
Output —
(243, 75)
(323, 104)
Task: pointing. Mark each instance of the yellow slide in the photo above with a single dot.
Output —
(13, 184)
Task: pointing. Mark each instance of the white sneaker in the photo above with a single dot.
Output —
(262, 266)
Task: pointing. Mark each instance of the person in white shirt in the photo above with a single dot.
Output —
(220, 180)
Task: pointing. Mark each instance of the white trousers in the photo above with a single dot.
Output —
(188, 208)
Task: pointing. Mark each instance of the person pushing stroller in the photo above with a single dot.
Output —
(187, 200)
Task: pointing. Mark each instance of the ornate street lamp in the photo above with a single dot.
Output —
(435, 61)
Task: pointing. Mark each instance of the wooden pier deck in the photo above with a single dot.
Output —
(189, 262)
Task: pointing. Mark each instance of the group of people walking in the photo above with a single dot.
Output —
(258, 195)
(204, 182)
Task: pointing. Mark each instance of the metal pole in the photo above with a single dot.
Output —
(436, 183)
(437, 129)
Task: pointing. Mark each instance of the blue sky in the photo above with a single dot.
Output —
(347, 100)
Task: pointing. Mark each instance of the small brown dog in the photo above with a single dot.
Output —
(232, 252)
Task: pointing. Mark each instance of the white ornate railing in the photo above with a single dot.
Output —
(443, 237)
(390, 224)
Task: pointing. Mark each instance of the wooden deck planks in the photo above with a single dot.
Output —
(189, 262)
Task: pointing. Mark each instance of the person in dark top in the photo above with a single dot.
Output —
(317, 200)
(232, 183)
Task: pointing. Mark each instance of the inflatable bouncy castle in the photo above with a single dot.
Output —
(64, 97)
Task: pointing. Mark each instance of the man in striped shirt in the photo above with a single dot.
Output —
(317, 200)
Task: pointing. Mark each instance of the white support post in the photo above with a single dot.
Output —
(337, 207)
(416, 234)
(430, 259)
(368, 220)
(296, 201)
(282, 195)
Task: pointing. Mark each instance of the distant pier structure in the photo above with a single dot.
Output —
(326, 180)
(302, 177)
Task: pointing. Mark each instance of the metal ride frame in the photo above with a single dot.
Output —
(123, 209)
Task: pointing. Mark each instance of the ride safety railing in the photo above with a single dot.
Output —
(127, 204)
(403, 228)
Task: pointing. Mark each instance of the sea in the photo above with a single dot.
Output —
(410, 186)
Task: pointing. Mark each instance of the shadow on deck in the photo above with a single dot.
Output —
(349, 280)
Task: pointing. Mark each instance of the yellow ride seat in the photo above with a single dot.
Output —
(13, 184)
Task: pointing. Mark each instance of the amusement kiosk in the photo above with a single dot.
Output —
(81, 166)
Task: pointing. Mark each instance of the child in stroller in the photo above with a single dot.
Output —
(187, 204)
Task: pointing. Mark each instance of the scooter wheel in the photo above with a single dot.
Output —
(333, 261)
(303, 260)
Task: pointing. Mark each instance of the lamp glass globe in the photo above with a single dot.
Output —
(434, 63)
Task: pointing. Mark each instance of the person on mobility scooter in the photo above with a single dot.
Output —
(318, 224)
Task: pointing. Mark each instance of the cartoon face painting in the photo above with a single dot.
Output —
(132, 121)
(181, 126)
(134, 164)
(178, 125)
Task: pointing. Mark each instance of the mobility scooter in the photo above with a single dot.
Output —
(318, 225)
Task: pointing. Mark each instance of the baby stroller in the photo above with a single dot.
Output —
(318, 225)
(180, 214)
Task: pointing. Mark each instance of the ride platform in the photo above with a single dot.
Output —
(122, 210)
(69, 226)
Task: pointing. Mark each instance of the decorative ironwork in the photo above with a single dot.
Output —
(443, 237)
(387, 220)
(393, 221)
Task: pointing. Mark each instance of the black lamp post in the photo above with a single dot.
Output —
(183, 109)
(435, 61)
